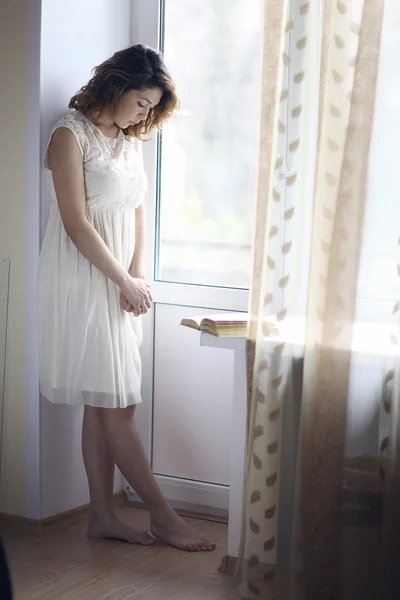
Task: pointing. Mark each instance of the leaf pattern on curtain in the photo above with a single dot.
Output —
(350, 52)
(271, 286)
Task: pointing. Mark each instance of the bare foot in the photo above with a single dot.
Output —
(113, 529)
(171, 529)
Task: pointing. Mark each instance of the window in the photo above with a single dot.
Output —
(378, 270)
(208, 154)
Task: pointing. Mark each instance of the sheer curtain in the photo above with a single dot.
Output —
(302, 490)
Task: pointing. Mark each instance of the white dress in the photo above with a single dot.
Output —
(89, 346)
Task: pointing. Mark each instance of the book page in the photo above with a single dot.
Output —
(193, 322)
(227, 318)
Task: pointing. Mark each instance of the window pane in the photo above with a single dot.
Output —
(209, 152)
(378, 278)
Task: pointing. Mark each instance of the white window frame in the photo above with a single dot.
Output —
(146, 24)
(146, 30)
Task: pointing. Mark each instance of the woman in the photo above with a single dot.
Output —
(91, 287)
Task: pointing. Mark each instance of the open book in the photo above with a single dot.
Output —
(224, 325)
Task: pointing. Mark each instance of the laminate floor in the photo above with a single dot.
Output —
(64, 565)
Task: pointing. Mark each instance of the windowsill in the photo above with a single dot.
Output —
(369, 340)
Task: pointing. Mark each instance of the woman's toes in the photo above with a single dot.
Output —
(175, 532)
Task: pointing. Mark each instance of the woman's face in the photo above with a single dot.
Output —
(134, 106)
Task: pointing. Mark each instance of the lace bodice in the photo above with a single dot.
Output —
(113, 168)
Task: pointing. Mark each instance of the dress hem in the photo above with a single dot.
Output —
(48, 394)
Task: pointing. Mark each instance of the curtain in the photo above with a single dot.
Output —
(301, 488)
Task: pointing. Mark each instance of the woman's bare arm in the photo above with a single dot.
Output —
(137, 267)
(65, 162)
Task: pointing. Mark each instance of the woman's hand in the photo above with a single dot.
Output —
(125, 305)
(135, 296)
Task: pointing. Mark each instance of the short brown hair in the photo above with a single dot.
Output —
(135, 68)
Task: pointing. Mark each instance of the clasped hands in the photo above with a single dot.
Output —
(135, 293)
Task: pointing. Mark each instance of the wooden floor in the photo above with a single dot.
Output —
(64, 565)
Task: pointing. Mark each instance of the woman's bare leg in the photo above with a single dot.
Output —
(100, 467)
(128, 452)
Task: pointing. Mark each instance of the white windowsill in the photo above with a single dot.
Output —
(369, 339)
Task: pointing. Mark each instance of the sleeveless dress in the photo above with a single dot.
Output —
(88, 346)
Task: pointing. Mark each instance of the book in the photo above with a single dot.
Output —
(225, 325)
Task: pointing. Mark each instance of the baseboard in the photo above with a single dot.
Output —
(190, 514)
(40, 526)
(119, 499)
(193, 497)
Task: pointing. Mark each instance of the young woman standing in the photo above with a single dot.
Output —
(91, 286)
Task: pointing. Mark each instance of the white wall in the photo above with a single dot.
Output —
(47, 52)
(75, 38)
(13, 120)
(19, 226)
(32, 227)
